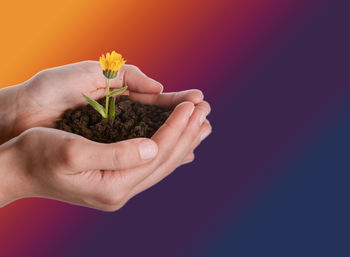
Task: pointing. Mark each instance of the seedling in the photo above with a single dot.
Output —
(111, 64)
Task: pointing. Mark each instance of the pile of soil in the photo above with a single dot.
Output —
(132, 119)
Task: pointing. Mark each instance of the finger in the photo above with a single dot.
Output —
(181, 149)
(168, 100)
(204, 132)
(89, 155)
(128, 75)
(136, 80)
(166, 138)
(204, 105)
(168, 134)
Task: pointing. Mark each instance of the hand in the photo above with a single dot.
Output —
(43, 99)
(51, 163)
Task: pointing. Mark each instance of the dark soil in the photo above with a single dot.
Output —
(132, 119)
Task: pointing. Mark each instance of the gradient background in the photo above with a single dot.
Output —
(272, 179)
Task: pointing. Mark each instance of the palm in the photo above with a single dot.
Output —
(94, 180)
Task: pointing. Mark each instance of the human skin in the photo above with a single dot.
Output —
(46, 162)
(41, 100)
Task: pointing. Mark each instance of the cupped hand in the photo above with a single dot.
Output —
(51, 92)
(46, 96)
(56, 164)
(64, 166)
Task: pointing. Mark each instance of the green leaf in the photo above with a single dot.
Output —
(112, 109)
(96, 106)
(121, 90)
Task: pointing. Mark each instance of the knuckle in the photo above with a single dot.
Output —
(188, 159)
(191, 158)
(28, 136)
(133, 67)
(44, 74)
(30, 132)
(196, 142)
(130, 68)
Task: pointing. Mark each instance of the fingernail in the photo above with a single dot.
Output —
(201, 119)
(148, 149)
(204, 135)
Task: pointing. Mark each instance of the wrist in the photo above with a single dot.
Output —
(12, 182)
(11, 107)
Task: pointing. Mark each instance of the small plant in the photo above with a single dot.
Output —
(111, 64)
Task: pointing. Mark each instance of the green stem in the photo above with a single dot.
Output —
(107, 99)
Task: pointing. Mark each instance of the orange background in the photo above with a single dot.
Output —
(40, 34)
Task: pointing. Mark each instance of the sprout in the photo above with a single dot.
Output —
(111, 63)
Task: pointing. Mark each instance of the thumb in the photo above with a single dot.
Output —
(116, 156)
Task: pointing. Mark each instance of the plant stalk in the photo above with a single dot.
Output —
(107, 99)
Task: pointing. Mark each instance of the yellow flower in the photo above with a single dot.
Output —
(111, 63)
